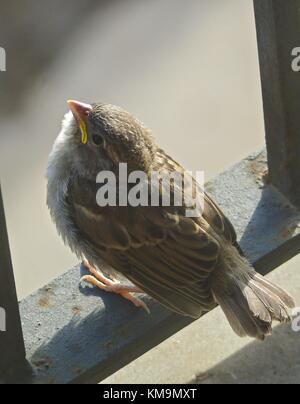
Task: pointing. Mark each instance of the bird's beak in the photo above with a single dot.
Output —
(81, 111)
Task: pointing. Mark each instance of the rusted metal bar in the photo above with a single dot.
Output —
(278, 36)
(12, 349)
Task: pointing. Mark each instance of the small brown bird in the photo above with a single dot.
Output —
(188, 264)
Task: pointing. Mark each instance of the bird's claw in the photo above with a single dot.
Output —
(112, 286)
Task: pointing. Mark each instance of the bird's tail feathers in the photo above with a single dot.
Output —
(251, 303)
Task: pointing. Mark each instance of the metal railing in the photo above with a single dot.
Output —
(68, 341)
(12, 348)
(278, 34)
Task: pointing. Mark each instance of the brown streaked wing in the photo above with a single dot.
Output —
(212, 212)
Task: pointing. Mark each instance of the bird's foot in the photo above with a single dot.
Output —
(102, 282)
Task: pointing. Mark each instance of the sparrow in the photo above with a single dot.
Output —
(188, 264)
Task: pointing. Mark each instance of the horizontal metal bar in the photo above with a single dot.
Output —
(12, 350)
(278, 35)
(77, 336)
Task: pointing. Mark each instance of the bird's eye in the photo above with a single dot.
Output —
(97, 140)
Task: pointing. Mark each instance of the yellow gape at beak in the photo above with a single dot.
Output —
(81, 111)
(84, 135)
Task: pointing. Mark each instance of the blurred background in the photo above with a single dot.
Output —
(188, 69)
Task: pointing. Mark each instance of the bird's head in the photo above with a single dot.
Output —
(101, 136)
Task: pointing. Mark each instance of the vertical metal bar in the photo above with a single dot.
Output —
(278, 35)
(12, 349)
